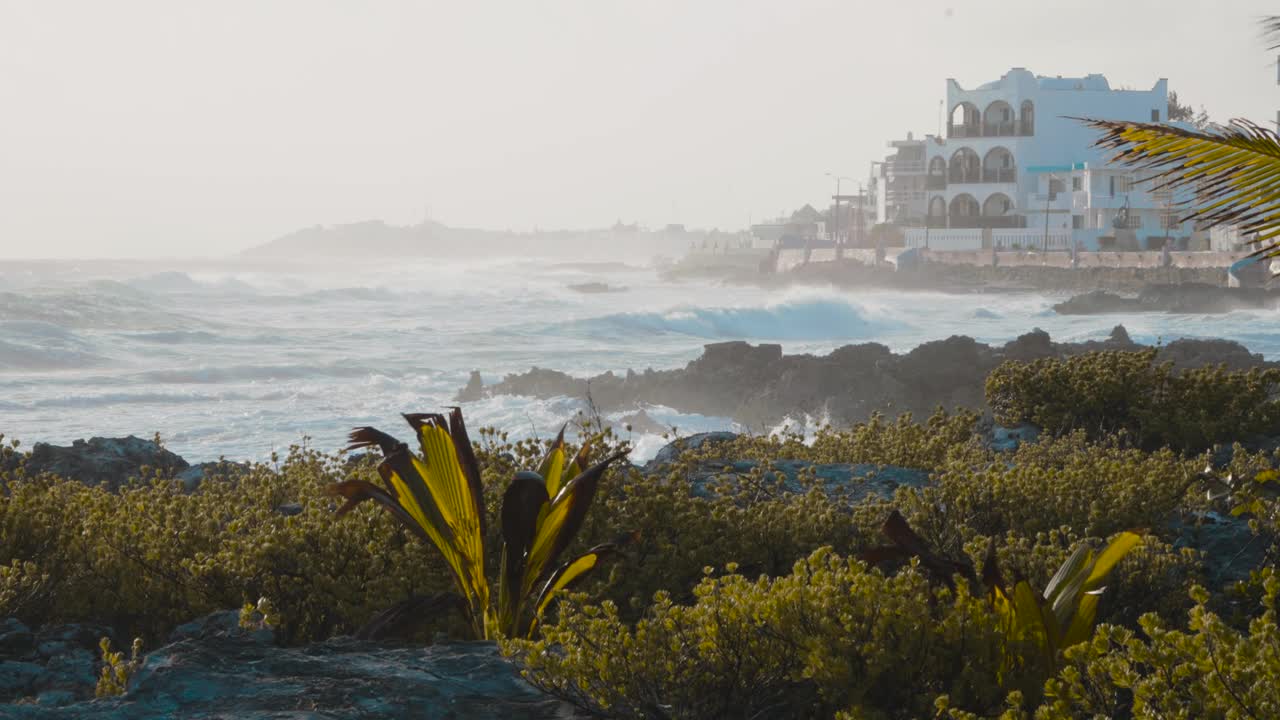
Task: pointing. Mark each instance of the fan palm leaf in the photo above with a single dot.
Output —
(1228, 175)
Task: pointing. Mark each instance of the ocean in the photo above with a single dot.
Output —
(240, 359)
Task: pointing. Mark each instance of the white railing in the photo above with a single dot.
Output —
(1030, 239)
(945, 238)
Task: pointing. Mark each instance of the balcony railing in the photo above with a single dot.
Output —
(1009, 129)
(936, 182)
(999, 175)
(960, 176)
(905, 167)
(987, 221)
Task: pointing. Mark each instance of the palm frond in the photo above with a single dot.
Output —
(1271, 31)
(1228, 175)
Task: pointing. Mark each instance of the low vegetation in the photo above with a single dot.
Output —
(758, 596)
(1151, 404)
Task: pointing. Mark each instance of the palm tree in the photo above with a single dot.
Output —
(1231, 173)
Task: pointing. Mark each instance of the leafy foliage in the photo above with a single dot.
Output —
(830, 636)
(1110, 392)
(1210, 670)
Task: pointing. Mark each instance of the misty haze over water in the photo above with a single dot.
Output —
(243, 358)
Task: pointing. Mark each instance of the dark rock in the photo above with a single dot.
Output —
(592, 288)
(289, 509)
(17, 678)
(220, 672)
(672, 451)
(1191, 297)
(474, 389)
(1009, 438)
(1031, 346)
(103, 461)
(196, 474)
(1192, 353)
(759, 386)
(1231, 550)
(1096, 303)
(641, 422)
(16, 639)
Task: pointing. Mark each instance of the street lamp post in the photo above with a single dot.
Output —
(835, 233)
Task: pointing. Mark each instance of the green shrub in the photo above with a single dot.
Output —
(1096, 489)
(1210, 670)
(1109, 392)
(903, 442)
(152, 556)
(831, 636)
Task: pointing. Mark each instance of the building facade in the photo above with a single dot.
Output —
(1017, 170)
(900, 184)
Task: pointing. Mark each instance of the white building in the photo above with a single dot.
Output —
(1017, 171)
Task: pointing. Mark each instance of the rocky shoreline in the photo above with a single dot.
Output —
(954, 278)
(760, 387)
(1186, 298)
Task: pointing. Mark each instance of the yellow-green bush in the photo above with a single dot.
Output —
(1097, 489)
(833, 635)
(903, 442)
(1209, 670)
(1155, 405)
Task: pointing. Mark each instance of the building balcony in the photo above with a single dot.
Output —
(960, 177)
(936, 182)
(1000, 175)
(1010, 129)
(904, 167)
(977, 222)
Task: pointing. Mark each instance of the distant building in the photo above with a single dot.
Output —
(805, 227)
(901, 184)
(1016, 171)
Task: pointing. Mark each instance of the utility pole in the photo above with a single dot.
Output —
(835, 233)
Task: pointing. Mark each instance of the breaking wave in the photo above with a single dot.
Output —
(795, 320)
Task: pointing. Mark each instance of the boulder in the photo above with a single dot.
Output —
(103, 461)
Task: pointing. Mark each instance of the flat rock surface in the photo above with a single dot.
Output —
(223, 673)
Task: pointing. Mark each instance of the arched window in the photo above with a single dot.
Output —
(997, 205)
(965, 167)
(937, 212)
(998, 166)
(965, 121)
(1027, 126)
(998, 119)
(937, 173)
(964, 211)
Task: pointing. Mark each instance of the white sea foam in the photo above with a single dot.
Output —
(239, 361)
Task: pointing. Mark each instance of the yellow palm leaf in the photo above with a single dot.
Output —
(1230, 174)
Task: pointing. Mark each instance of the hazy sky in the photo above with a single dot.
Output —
(178, 127)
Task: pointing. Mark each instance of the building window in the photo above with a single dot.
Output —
(1124, 183)
(1077, 183)
(1155, 116)
(1055, 186)
(1077, 222)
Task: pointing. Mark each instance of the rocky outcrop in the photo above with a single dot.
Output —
(48, 667)
(112, 462)
(214, 669)
(758, 384)
(1198, 298)
(103, 461)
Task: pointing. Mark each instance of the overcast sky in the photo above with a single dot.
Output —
(177, 127)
